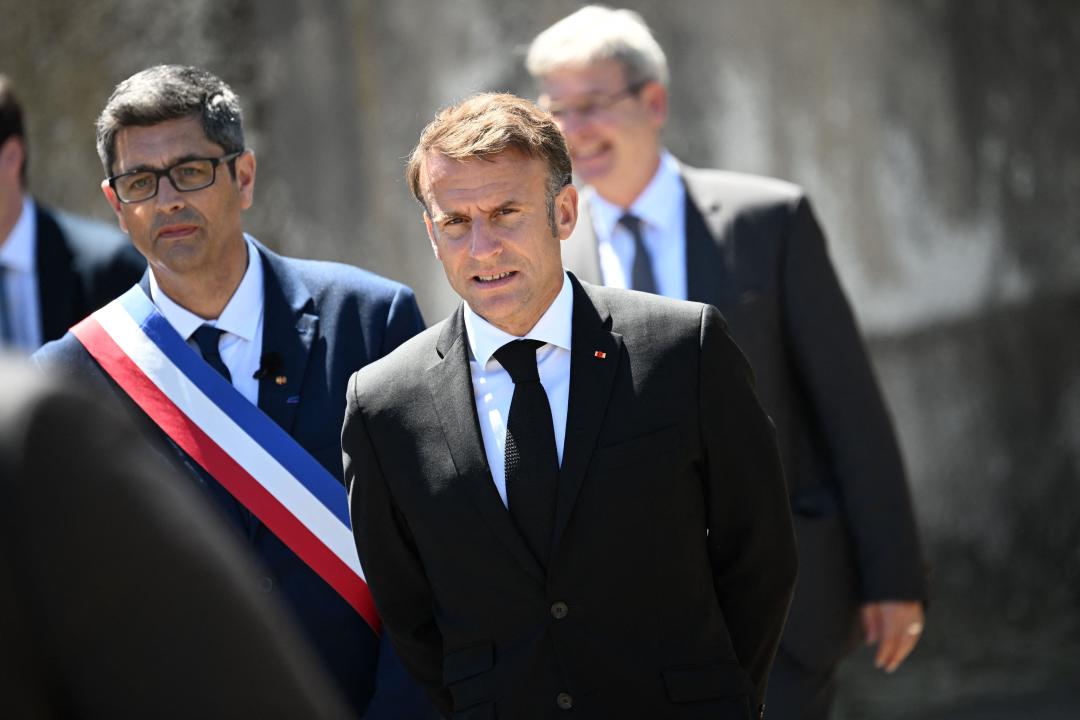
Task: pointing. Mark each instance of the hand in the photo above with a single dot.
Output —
(895, 627)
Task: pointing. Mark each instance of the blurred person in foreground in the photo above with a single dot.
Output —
(55, 268)
(121, 592)
(567, 498)
(751, 247)
(235, 360)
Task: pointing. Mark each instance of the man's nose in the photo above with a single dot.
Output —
(484, 241)
(168, 197)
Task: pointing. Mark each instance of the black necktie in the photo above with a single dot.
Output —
(207, 339)
(531, 460)
(641, 274)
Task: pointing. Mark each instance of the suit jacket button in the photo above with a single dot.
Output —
(564, 701)
(559, 610)
(266, 584)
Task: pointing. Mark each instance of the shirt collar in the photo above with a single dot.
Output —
(242, 314)
(659, 204)
(553, 327)
(18, 251)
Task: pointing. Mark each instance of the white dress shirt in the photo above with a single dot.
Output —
(242, 320)
(18, 262)
(661, 207)
(493, 389)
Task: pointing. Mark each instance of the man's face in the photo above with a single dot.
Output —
(489, 226)
(612, 128)
(189, 238)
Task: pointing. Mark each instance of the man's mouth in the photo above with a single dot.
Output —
(494, 277)
(176, 231)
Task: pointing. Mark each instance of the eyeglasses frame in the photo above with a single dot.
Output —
(165, 172)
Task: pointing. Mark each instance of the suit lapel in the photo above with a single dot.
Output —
(450, 384)
(594, 360)
(709, 263)
(290, 325)
(57, 283)
(579, 251)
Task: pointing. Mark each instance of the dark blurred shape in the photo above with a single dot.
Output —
(121, 594)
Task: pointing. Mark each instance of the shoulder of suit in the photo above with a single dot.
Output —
(633, 311)
(404, 367)
(726, 182)
(61, 355)
(325, 278)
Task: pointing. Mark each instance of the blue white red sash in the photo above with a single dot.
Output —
(236, 442)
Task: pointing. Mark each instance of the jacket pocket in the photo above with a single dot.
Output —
(706, 681)
(466, 673)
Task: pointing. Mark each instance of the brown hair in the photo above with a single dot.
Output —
(487, 124)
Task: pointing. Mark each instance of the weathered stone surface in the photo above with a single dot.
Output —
(938, 140)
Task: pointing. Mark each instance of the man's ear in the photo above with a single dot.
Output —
(655, 97)
(566, 211)
(431, 235)
(245, 178)
(114, 203)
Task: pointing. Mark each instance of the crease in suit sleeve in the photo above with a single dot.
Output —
(751, 539)
(392, 566)
(834, 369)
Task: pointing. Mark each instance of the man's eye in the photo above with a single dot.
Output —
(453, 221)
(507, 211)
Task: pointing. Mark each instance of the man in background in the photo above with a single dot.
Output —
(235, 361)
(54, 268)
(752, 247)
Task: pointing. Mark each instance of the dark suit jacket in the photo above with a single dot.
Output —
(121, 593)
(673, 558)
(323, 321)
(81, 265)
(756, 252)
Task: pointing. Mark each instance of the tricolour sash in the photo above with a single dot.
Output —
(264, 468)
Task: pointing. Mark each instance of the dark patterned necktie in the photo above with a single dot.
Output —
(531, 460)
(641, 274)
(206, 337)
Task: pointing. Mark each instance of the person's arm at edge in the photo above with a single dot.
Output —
(751, 539)
(388, 555)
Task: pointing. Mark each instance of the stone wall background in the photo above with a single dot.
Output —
(939, 140)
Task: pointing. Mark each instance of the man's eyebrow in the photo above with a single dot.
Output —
(176, 161)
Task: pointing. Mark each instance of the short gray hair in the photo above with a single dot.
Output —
(596, 33)
(171, 92)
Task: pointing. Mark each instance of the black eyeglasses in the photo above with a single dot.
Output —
(185, 176)
(591, 106)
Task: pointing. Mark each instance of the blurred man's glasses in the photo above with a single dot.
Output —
(185, 176)
(591, 106)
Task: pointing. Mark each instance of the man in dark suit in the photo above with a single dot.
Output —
(752, 247)
(565, 497)
(286, 333)
(55, 268)
(121, 593)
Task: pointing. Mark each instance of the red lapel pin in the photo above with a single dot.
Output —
(599, 354)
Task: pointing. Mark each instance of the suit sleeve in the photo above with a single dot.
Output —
(751, 540)
(835, 372)
(390, 559)
(403, 320)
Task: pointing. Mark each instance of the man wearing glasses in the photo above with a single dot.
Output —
(219, 326)
(752, 247)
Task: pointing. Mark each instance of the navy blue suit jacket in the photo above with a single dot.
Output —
(322, 322)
